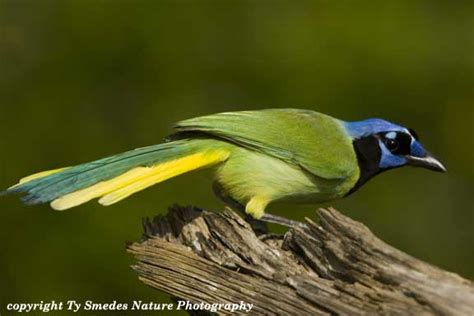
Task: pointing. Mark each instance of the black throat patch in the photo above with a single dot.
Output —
(368, 156)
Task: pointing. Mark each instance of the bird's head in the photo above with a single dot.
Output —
(381, 145)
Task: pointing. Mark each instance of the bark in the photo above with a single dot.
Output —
(336, 267)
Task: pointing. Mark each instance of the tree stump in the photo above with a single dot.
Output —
(336, 267)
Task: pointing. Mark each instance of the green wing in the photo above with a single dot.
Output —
(314, 141)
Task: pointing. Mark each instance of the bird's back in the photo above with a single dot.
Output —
(316, 142)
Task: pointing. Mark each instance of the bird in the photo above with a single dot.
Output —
(258, 157)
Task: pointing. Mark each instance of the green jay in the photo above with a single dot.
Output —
(258, 157)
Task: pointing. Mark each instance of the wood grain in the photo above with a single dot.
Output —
(336, 267)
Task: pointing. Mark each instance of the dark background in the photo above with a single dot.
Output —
(84, 79)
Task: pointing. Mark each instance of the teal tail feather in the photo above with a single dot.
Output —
(58, 184)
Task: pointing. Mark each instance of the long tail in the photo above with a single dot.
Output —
(114, 178)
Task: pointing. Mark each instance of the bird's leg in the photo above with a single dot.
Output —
(258, 226)
(275, 219)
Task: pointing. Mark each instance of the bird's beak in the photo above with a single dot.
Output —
(428, 162)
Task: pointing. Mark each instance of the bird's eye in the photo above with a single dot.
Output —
(391, 144)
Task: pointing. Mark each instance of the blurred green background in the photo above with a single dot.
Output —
(84, 79)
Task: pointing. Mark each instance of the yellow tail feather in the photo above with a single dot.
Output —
(138, 179)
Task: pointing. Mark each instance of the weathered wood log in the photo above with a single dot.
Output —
(335, 267)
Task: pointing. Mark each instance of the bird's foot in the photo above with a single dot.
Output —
(275, 219)
(258, 226)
